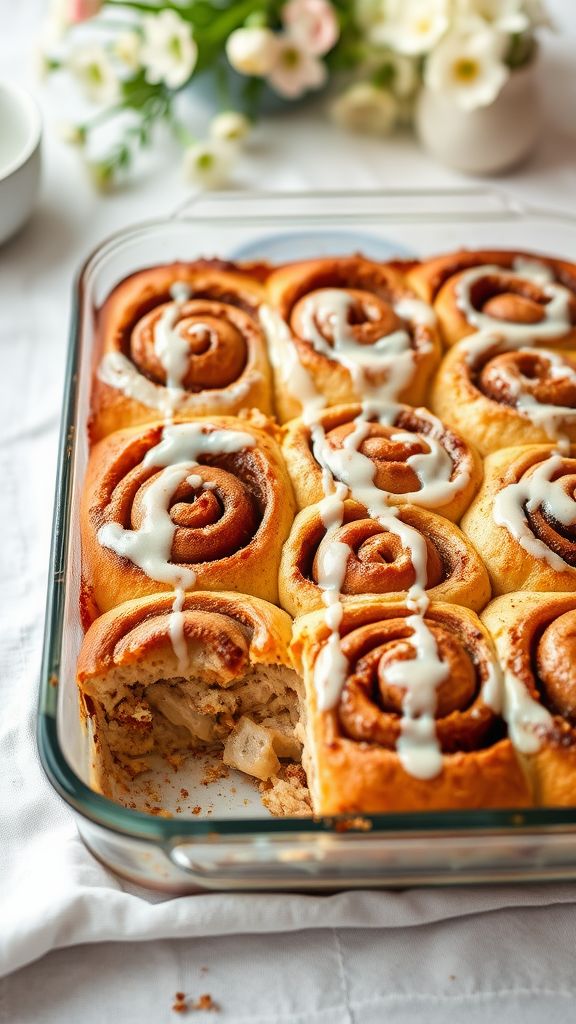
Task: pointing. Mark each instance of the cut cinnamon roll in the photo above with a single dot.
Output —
(497, 396)
(380, 561)
(520, 295)
(383, 451)
(228, 686)
(524, 519)
(414, 723)
(204, 505)
(535, 637)
(181, 339)
(346, 329)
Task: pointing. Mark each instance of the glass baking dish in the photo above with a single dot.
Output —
(234, 844)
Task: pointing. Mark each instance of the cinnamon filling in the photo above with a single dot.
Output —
(510, 375)
(216, 337)
(556, 665)
(368, 317)
(371, 706)
(560, 538)
(378, 563)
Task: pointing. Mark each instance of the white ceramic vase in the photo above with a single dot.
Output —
(486, 140)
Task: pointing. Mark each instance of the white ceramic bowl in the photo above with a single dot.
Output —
(20, 134)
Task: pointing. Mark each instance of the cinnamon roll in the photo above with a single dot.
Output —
(382, 450)
(205, 504)
(524, 519)
(414, 720)
(182, 339)
(216, 675)
(379, 560)
(535, 637)
(520, 295)
(344, 329)
(497, 396)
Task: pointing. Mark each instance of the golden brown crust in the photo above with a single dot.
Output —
(507, 300)
(227, 366)
(373, 290)
(379, 565)
(510, 565)
(477, 394)
(140, 629)
(428, 277)
(230, 535)
(535, 637)
(388, 452)
(355, 766)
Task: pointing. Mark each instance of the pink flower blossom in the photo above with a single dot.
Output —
(82, 10)
(295, 70)
(312, 23)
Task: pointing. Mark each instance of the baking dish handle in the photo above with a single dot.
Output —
(394, 204)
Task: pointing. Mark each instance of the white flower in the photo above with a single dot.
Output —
(312, 23)
(92, 68)
(295, 71)
(128, 49)
(502, 15)
(208, 164)
(252, 51)
(230, 126)
(42, 63)
(469, 68)
(538, 16)
(411, 26)
(72, 134)
(366, 108)
(169, 52)
(101, 176)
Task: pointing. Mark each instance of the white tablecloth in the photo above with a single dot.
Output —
(360, 958)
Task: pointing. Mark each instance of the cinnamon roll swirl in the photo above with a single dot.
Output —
(380, 562)
(416, 722)
(520, 295)
(346, 329)
(205, 504)
(498, 397)
(231, 687)
(535, 637)
(181, 339)
(524, 519)
(395, 452)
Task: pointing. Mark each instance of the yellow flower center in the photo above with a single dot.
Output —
(423, 26)
(95, 74)
(291, 57)
(175, 47)
(466, 70)
(205, 161)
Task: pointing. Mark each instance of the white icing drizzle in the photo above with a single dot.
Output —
(118, 372)
(439, 483)
(391, 357)
(173, 352)
(150, 546)
(347, 472)
(171, 348)
(493, 688)
(531, 493)
(556, 312)
(535, 270)
(546, 415)
(526, 718)
(418, 747)
(176, 630)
